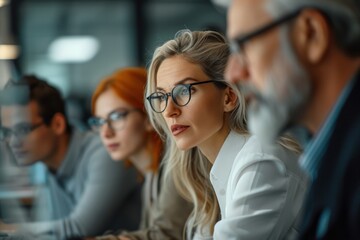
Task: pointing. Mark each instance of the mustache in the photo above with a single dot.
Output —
(251, 92)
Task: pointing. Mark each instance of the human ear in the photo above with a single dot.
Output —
(311, 34)
(58, 124)
(230, 99)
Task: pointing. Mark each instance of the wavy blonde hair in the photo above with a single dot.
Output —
(190, 169)
(210, 51)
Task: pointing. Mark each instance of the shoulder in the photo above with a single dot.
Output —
(87, 139)
(91, 150)
(254, 146)
(256, 152)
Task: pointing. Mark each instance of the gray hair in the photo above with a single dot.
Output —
(343, 17)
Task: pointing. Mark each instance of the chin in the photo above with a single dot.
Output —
(25, 162)
(259, 121)
(116, 157)
(183, 145)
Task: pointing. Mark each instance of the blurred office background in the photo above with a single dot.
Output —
(75, 43)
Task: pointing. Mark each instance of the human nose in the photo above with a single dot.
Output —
(107, 130)
(236, 69)
(171, 110)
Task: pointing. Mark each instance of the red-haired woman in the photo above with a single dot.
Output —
(120, 118)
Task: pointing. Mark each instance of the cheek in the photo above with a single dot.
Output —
(134, 133)
(208, 115)
(258, 69)
(40, 145)
(260, 62)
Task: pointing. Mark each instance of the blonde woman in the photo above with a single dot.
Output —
(255, 190)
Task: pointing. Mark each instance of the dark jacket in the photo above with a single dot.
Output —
(333, 203)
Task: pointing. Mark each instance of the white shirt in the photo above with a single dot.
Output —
(260, 190)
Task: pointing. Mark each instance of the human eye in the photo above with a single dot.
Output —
(118, 115)
(4, 132)
(23, 129)
(158, 96)
(182, 90)
(96, 121)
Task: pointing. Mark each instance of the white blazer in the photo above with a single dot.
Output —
(260, 190)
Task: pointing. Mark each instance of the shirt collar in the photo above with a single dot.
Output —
(226, 156)
(314, 151)
(72, 158)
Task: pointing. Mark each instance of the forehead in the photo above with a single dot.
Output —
(177, 68)
(245, 16)
(15, 114)
(108, 101)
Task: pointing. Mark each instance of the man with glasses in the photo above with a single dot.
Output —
(299, 61)
(88, 193)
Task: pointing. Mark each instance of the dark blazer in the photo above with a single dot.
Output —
(333, 203)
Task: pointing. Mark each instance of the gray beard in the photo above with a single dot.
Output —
(287, 90)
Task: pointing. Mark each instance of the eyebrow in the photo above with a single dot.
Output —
(183, 81)
(119, 109)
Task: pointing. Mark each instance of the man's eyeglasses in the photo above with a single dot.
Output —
(237, 44)
(180, 94)
(20, 131)
(115, 120)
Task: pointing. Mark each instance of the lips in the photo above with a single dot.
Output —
(177, 129)
(113, 146)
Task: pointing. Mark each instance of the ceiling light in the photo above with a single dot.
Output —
(73, 49)
(3, 2)
(8, 52)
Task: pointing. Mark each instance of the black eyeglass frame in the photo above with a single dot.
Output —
(236, 45)
(168, 94)
(6, 133)
(123, 112)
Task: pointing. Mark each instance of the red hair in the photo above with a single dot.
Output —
(129, 84)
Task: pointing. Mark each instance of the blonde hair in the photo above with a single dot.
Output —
(190, 169)
(210, 51)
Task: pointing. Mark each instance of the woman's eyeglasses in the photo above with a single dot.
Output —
(115, 120)
(180, 94)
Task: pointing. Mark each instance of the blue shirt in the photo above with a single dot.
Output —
(315, 150)
(89, 194)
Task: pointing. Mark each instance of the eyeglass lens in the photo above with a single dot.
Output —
(20, 131)
(180, 94)
(116, 121)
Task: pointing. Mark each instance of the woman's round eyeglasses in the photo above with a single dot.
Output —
(180, 94)
(115, 120)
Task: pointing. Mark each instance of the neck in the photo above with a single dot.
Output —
(142, 160)
(211, 147)
(327, 88)
(53, 162)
